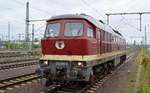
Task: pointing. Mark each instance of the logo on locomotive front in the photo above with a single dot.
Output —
(59, 44)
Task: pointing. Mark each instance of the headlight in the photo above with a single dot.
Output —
(80, 63)
(45, 62)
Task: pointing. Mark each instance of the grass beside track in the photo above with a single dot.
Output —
(142, 60)
(145, 73)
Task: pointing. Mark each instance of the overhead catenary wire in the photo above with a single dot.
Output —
(39, 28)
(127, 23)
(27, 35)
(41, 10)
(95, 10)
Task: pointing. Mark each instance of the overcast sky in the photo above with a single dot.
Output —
(14, 12)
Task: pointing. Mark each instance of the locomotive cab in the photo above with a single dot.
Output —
(68, 37)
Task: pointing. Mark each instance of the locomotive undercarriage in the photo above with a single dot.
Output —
(107, 66)
(60, 72)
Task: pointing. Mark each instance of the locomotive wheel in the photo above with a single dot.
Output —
(48, 82)
(92, 79)
(106, 69)
(74, 84)
(91, 82)
(109, 66)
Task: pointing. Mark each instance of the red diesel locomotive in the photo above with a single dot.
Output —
(79, 48)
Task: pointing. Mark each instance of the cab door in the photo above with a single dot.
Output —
(98, 41)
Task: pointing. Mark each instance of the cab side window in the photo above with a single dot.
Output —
(90, 32)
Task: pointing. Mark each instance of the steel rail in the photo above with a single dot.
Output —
(17, 65)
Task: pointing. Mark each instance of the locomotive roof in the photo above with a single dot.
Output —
(95, 22)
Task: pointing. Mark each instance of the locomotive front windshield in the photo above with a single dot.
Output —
(52, 30)
(73, 29)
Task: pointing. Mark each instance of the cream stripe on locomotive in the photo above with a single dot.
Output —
(80, 58)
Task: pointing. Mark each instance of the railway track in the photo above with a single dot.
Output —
(16, 64)
(18, 60)
(13, 54)
(9, 54)
(66, 89)
(13, 81)
(88, 88)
